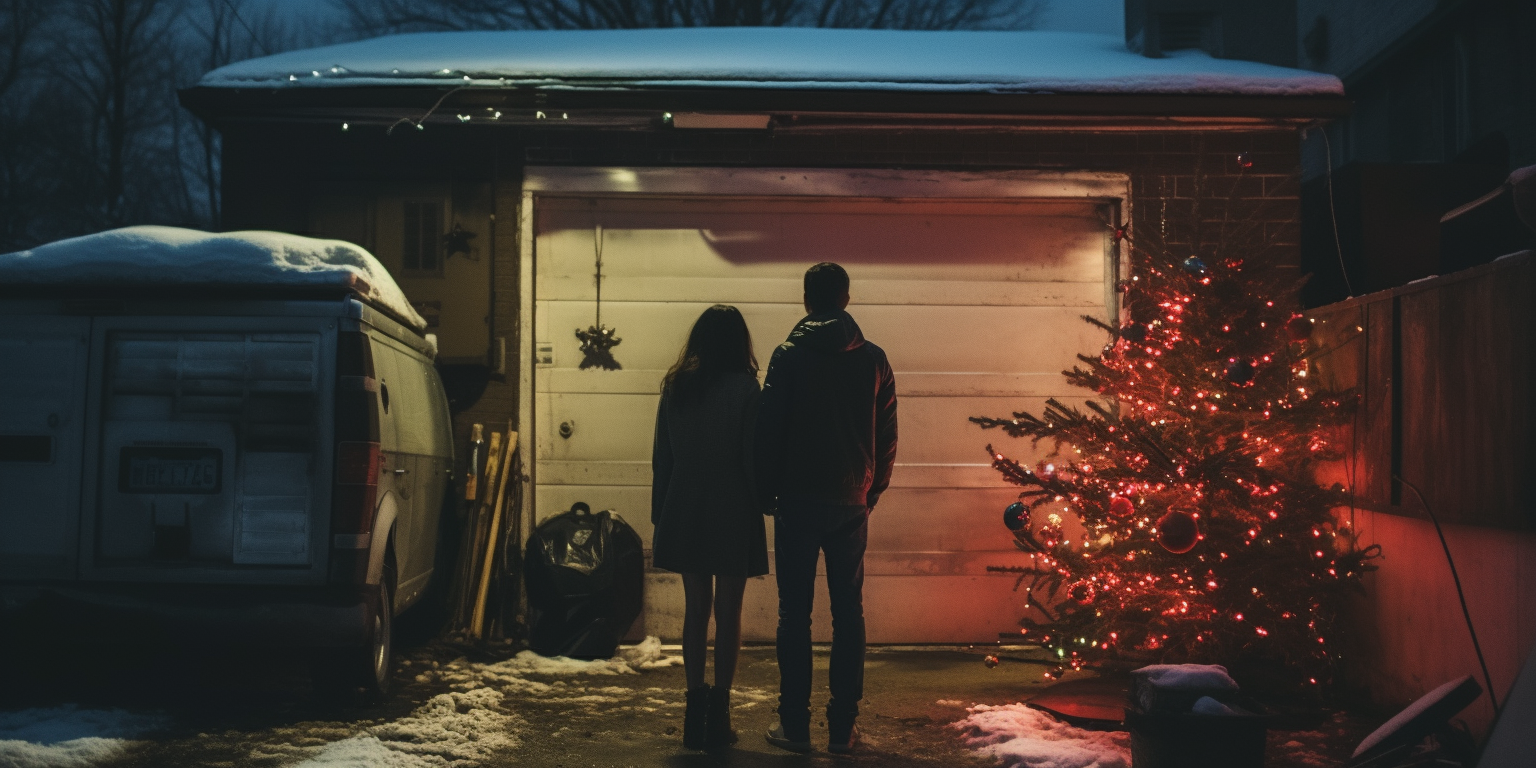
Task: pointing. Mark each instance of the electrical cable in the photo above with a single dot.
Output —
(1467, 614)
(417, 122)
(1333, 212)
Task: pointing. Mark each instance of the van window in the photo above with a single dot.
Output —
(415, 411)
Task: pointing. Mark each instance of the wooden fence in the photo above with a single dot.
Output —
(1443, 371)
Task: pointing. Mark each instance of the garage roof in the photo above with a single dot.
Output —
(779, 58)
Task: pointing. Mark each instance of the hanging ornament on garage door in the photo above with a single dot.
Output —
(598, 340)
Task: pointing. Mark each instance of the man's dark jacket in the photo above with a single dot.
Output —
(826, 421)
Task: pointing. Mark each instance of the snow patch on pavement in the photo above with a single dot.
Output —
(509, 675)
(68, 736)
(451, 729)
(470, 725)
(1021, 737)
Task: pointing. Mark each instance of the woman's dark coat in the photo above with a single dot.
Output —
(703, 506)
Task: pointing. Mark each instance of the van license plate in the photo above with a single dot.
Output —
(171, 470)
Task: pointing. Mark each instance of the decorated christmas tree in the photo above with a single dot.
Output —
(1177, 518)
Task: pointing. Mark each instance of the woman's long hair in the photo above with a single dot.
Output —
(719, 344)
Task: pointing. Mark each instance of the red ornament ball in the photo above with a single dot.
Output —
(991, 661)
(1082, 592)
(1178, 531)
(1298, 328)
(1120, 506)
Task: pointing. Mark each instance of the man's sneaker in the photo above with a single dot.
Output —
(777, 738)
(843, 747)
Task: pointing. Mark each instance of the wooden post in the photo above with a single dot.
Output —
(472, 532)
(477, 624)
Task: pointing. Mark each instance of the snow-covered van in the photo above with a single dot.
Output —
(240, 436)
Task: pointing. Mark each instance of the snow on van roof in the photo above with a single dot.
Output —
(771, 57)
(136, 257)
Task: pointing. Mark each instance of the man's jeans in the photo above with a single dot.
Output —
(801, 530)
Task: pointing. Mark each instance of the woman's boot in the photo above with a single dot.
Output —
(696, 718)
(720, 733)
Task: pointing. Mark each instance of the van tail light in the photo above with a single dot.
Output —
(357, 488)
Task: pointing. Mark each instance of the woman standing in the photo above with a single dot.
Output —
(709, 527)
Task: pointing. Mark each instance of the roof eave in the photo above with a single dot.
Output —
(219, 105)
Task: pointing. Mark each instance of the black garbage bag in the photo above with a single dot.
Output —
(585, 573)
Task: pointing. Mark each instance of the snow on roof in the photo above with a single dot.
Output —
(135, 257)
(771, 57)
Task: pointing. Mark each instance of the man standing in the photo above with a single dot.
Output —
(825, 446)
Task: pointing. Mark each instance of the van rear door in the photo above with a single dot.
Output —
(214, 451)
(42, 421)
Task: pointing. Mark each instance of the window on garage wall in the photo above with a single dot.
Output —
(422, 237)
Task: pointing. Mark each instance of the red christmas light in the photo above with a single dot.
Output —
(1208, 411)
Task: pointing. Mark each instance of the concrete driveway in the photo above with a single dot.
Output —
(142, 707)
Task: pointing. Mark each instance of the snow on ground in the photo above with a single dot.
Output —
(471, 724)
(450, 729)
(68, 736)
(1021, 737)
(148, 255)
(777, 57)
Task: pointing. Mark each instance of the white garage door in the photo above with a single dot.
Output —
(978, 304)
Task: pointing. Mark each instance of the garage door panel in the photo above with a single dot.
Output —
(929, 519)
(936, 430)
(915, 338)
(912, 525)
(653, 332)
(908, 383)
(639, 473)
(789, 290)
(956, 241)
(897, 609)
(603, 427)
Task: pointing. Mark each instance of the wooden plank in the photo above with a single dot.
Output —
(1463, 345)
(1375, 445)
(477, 622)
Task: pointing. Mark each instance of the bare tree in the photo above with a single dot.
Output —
(375, 17)
(22, 27)
(113, 56)
(220, 32)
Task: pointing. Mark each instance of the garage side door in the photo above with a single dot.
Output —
(977, 303)
(42, 422)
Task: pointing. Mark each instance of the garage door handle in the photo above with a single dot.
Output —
(401, 471)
